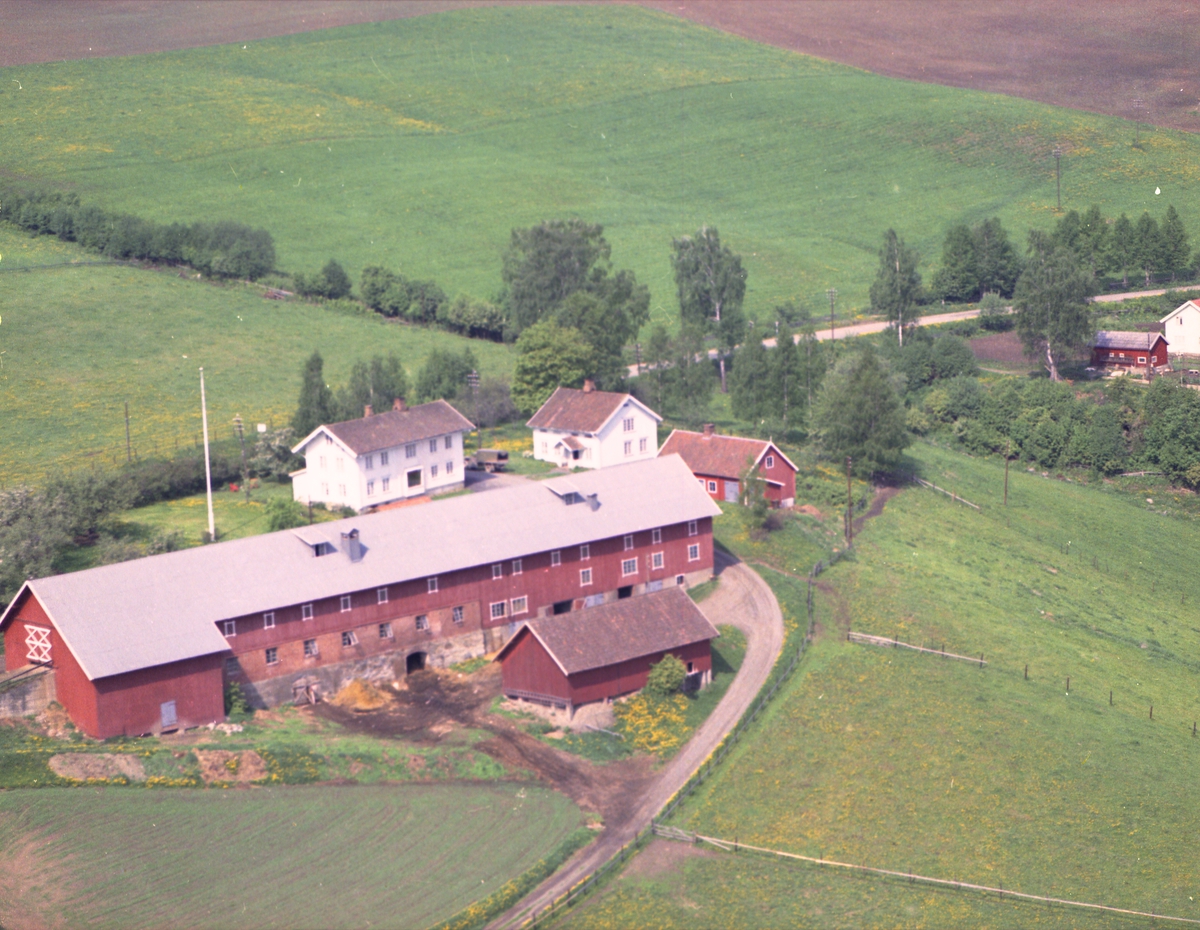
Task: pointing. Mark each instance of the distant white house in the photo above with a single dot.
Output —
(593, 429)
(383, 457)
(1181, 327)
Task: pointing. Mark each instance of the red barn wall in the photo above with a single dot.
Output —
(782, 472)
(612, 681)
(528, 667)
(130, 704)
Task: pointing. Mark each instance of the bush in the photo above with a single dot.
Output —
(236, 707)
(332, 283)
(283, 514)
(993, 314)
(666, 677)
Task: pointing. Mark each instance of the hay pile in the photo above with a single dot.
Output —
(361, 695)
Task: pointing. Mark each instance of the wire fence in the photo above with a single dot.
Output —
(871, 639)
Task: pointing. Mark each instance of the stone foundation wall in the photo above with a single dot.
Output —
(27, 695)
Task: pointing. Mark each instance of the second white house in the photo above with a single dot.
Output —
(593, 429)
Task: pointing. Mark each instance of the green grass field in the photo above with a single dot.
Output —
(275, 857)
(888, 758)
(419, 143)
(77, 343)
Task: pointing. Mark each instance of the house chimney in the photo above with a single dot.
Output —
(588, 386)
(708, 430)
(367, 411)
(398, 404)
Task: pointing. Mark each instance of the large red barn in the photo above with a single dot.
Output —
(718, 462)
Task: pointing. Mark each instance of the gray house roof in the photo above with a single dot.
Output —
(164, 608)
(393, 428)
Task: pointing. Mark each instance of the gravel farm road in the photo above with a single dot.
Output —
(744, 600)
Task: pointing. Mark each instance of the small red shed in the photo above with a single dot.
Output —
(719, 461)
(1114, 349)
(604, 652)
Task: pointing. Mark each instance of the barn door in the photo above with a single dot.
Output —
(732, 490)
(167, 712)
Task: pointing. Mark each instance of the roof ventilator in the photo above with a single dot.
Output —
(352, 545)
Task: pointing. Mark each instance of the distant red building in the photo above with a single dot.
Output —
(1113, 349)
(719, 462)
(607, 651)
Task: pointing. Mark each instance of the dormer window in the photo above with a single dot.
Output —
(323, 548)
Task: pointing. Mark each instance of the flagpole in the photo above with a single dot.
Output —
(212, 529)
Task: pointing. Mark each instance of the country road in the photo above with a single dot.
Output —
(744, 600)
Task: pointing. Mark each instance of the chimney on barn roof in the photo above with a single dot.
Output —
(352, 545)
(708, 430)
(367, 411)
(588, 386)
(398, 404)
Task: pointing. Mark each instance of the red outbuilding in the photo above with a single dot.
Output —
(719, 462)
(1113, 349)
(605, 652)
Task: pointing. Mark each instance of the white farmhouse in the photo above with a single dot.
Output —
(593, 429)
(405, 452)
(1181, 327)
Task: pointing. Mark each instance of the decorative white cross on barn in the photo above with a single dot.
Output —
(37, 643)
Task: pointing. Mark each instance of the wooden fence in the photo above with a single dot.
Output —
(872, 640)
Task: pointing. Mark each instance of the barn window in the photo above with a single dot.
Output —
(585, 553)
(272, 656)
(381, 596)
(628, 543)
(585, 576)
(656, 536)
(423, 622)
(1141, 360)
(770, 461)
(516, 566)
(693, 552)
(629, 567)
(679, 579)
(269, 620)
(431, 585)
(383, 458)
(345, 603)
(230, 627)
(497, 571)
(497, 610)
(349, 638)
(692, 530)
(457, 615)
(712, 487)
(231, 666)
(37, 645)
(385, 631)
(310, 649)
(656, 560)
(306, 611)
(556, 558)
(520, 605)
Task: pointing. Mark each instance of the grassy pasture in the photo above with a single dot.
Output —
(905, 761)
(275, 857)
(419, 143)
(78, 342)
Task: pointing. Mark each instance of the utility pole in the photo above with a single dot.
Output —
(473, 383)
(1057, 153)
(212, 526)
(637, 348)
(832, 295)
(849, 507)
(128, 447)
(237, 425)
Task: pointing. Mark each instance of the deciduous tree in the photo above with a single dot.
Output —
(897, 286)
(548, 356)
(859, 414)
(711, 284)
(1051, 301)
(443, 376)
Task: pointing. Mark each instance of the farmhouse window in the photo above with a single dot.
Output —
(516, 566)
(230, 627)
(423, 622)
(370, 461)
(585, 552)
(449, 443)
(306, 611)
(656, 560)
(555, 558)
(1141, 360)
(325, 488)
(322, 460)
(545, 447)
(310, 649)
(410, 451)
(342, 491)
(497, 610)
(629, 447)
(770, 461)
(642, 444)
(712, 487)
(341, 463)
(433, 470)
(456, 614)
(520, 605)
(370, 488)
(385, 631)
(692, 529)
(269, 620)
(272, 655)
(383, 458)
(345, 603)
(37, 645)
(694, 552)
(497, 571)
(381, 596)
(585, 576)
(431, 585)
(627, 424)
(628, 543)
(385, 483)
(450, 467)
(414, 478)
(656, 536)
(349, 638)
(629, 567)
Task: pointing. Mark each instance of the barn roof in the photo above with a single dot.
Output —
(1117, 339)
(582, 411)
(164, 608)
(393, 428)
(719, 456)
(627, 629)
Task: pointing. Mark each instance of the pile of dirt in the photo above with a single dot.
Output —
(361, 695)
(223, 765)
(81, 766)
(54, 722)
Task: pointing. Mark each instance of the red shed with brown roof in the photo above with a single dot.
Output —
(1116, 349)
(719, 461)
(604, 652)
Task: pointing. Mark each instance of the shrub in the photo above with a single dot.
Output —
(666, 677)
(283, 514)
(236, 707)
